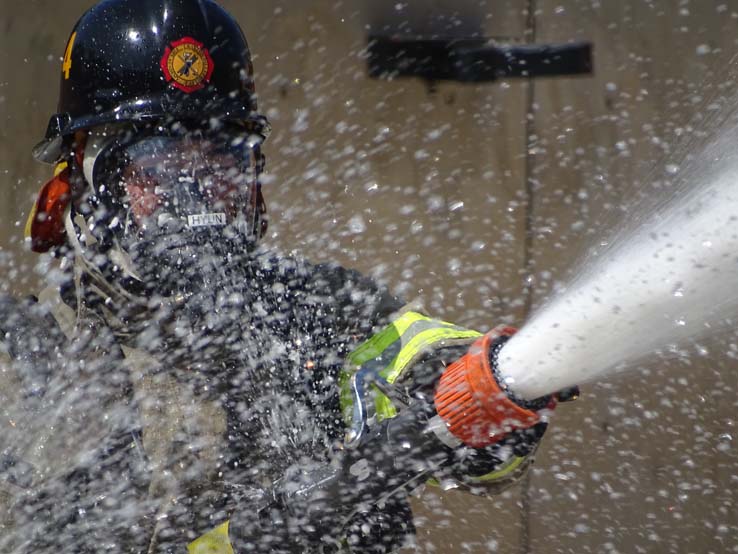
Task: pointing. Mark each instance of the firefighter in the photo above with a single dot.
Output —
(215, 368)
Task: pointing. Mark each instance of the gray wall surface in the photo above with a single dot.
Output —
(430, 190)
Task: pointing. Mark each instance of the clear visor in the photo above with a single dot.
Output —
(184, 182)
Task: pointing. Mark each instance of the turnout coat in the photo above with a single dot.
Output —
(136, 425)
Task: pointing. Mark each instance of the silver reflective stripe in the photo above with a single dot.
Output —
(439, 428)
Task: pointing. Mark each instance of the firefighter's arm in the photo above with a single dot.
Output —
(417, 356)
(495, 434)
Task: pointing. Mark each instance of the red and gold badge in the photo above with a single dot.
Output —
(187, 64)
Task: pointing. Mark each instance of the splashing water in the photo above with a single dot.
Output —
(673, 278)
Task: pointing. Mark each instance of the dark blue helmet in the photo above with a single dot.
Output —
(138, 60)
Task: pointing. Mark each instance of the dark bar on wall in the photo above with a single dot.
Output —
(473, 60)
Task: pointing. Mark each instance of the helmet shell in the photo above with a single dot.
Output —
(137, 60)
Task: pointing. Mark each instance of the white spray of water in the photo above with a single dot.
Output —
(674, 277)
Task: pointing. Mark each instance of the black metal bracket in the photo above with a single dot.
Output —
(473, 60)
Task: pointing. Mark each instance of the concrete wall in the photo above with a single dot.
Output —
(427, 189)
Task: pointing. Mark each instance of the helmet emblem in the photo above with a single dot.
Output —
(187, 64)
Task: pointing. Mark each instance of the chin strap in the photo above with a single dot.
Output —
(98, 283)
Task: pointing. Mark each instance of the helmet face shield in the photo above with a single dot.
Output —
(174, 201)
(177, 183)
(185, 183)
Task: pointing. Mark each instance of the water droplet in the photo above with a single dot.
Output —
(672, 169)
(703, 49)
(454, 265)
(356, 224)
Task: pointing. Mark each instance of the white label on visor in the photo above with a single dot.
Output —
(206, 220)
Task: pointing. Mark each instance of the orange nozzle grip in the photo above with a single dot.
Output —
(469, 399)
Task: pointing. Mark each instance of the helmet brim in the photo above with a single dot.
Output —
(49, 150)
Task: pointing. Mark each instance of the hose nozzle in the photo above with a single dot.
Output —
(472, 403)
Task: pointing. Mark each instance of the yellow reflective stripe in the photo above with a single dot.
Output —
(504, 471)
(345, 400)
(30, 220)
(61, 166)
(370, 350)
(212, 542)
(344, 396)
(384, 407)
(377, 344)
(420, 342)
(382, 404)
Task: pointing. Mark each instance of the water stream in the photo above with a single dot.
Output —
(670, 275)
